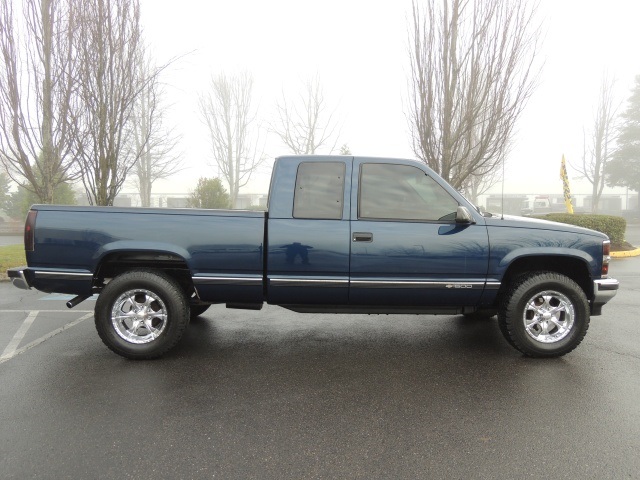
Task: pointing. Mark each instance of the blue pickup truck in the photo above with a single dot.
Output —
(341, 235)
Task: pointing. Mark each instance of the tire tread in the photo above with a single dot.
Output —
(509, 313)
(179, 319)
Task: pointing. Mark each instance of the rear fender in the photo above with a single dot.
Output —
(118, 257)
(136, 247)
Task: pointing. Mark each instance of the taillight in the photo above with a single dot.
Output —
(606, 257)
(29, 231)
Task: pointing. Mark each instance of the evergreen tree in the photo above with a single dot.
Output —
(345, 150)
(624, 169)
(209, 193)
(18, 203)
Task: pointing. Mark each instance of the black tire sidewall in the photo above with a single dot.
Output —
(169, 292)
(513, 326)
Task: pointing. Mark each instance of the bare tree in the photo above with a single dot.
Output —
(4, 191)
(155, 142)
(306, 126)
(471, 75)
(37, 94)
(229, 116)
(599, 148)
(109, 83)
(480, 182)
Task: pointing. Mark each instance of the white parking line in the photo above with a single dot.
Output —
(17, 338)
(45, 337)
(47, 311)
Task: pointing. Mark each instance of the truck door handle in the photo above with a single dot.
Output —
(362, 237)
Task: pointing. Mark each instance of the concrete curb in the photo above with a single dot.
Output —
(629, 253)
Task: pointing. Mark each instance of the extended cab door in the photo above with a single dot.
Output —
(406, 247)
(308, 231)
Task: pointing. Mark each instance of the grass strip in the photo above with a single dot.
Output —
(11, 256)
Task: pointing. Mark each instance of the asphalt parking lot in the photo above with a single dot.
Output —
(274, 394)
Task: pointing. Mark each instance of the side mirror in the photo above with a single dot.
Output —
(463, 216)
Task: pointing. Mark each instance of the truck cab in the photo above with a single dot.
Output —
(372, 233)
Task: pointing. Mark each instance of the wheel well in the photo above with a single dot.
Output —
(115, 264)
(573, 268)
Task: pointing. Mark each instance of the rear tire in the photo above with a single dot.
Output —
(544, 314)
(141, 314)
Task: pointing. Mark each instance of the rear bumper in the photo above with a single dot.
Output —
(18, 278)
(75, 282)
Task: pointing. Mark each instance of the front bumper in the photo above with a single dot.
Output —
(18, 278)
(604, 289)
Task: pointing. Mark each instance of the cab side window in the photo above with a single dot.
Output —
(402, 192)
(319, 190)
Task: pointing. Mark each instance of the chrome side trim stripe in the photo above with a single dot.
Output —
(309, 282)
(334, 282)
(63, 275)
(474, 285)
(228, 280)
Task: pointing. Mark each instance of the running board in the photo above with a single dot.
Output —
(377, 310)
(245, 306)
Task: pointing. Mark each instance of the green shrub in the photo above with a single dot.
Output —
(613, 227)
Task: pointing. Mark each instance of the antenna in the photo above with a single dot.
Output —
(502, 199)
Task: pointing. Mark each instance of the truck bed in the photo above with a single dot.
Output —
(224, 243)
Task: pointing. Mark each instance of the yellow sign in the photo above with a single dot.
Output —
(565, 186)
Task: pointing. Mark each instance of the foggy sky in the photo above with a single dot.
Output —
(359, 50)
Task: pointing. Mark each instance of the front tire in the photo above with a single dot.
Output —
(544, 314)
(141, 314)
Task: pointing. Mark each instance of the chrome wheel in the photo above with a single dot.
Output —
(548, 316)
(142, 314)
(139, 316)
(544, 314)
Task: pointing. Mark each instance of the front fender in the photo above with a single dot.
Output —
(508, 244)
(519, 253)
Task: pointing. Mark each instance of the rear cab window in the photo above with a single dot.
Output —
(319, 191)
